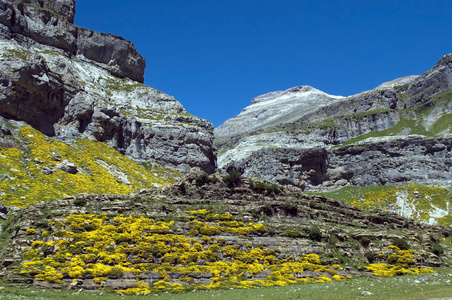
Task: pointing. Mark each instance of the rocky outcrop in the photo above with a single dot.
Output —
(394, 133)
(391, 161)
(433, 82)
(376, 161)
(69, 82)
(51, 23)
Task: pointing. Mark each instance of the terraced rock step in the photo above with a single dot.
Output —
(212, 232)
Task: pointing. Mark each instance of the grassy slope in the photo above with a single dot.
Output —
(101, 169)
(415, 125)
(423, 199)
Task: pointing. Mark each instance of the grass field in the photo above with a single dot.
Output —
(432, 286)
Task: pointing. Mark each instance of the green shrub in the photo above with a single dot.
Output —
(293, 233)
(371, 256)
(402, 244)
(233, 178)
(437, 249)
(315, 234)
(116, 271)
(262, 187)
(365, 241)
(290, 209)
(183, 188)
(213, 179)
(267, 210)
(202, 179)
(80, 202)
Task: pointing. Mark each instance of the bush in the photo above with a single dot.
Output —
(80, 202)
(293, 233)
(116, 271)
(202, 179)
(183, 188)
(233, 178)
(401, 244)
(371, 256)
(290, 209)
(437, 249)
(265, 187)
(365, 241)
(268, 209)
(315, 234)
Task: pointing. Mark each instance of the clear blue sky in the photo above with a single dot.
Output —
(214, 56)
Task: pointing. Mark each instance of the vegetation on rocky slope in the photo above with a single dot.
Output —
(425, 203)
(40, 168)
(210, 232)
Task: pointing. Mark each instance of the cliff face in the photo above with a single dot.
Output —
(397, 132)
(70, 82)
(51, 23)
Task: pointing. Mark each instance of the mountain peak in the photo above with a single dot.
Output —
(300, 91)
(275, 108)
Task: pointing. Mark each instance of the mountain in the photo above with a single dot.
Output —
(75, 86)
(320, 142)
(398, 132)
(275, 108)
(90, 157)
(71, 82)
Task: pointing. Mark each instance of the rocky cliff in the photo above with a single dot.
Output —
(69, 82)
(397, 132)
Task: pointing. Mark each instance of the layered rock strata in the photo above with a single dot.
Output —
(70, 82)
(344, 233)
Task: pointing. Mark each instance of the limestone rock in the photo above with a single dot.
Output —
(69, 82)
(276, 107)
(51, 23)
(67, 166)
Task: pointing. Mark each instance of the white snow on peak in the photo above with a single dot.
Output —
(277, 107)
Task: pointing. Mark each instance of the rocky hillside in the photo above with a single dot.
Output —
(74, 83)
(210, 232)
(36, 168)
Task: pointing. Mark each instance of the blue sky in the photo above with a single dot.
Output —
(214, 56)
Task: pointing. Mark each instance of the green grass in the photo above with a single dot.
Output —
(22, 54)
(425, 199)
(415, 127)
(367, 113)
(121, 84)
(350, 192)
(401, 287)
(41, 8)
(442, 124)
(407, 122)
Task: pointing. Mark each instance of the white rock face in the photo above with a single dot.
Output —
(276, 108)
